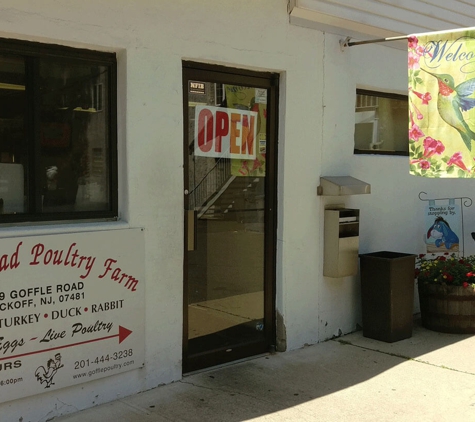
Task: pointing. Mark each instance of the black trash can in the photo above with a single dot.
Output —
(387, 295)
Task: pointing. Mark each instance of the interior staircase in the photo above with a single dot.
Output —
(220, 195)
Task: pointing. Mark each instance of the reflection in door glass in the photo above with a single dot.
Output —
(227, 169)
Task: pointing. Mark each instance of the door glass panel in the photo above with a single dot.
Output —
(225, 207)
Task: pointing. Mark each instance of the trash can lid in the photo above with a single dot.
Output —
(386, 255)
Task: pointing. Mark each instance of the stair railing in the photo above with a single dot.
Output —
(210, 184)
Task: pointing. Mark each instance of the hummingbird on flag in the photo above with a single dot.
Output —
(452, 100)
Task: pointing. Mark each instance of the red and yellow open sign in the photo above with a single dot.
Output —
(223, 132)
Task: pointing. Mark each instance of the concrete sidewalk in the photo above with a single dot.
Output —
(428, 377)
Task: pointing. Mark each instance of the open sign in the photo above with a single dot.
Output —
(223, 132)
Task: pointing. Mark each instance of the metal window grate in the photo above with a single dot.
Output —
(366, 102)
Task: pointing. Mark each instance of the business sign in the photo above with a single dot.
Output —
(71, 309)
(225, 133)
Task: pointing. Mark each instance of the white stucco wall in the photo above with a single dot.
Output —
(151, 39)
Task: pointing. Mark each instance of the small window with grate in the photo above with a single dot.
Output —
(381, 123)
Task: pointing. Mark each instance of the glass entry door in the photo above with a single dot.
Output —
(229, 144)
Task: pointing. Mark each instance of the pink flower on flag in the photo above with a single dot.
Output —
(418, 113)
(457, 160)
(413, 60)
(423, 164)
(431, 147)
(415, 133)
(412, 41)
(424, 97)
(422, 51)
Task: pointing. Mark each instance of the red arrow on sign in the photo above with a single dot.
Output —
(123, 334)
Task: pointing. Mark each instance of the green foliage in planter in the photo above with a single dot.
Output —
(446, 269)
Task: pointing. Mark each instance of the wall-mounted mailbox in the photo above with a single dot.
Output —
(342, 185)
(341, 237)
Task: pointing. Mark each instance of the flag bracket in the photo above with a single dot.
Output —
(467, 202)
(348, 43)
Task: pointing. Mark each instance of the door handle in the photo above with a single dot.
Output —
(191, 229)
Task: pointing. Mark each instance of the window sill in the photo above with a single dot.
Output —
(47, 228)
(380, 152)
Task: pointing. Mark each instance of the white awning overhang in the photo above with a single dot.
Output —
(360, 20)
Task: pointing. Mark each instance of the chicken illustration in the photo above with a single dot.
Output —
(46, 375)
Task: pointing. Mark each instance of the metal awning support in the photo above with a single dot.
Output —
(347, 43)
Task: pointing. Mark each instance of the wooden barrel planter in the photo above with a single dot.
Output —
(447, 309)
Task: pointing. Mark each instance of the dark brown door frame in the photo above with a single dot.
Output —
(225, 75)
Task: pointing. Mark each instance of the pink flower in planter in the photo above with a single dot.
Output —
(448, 273)
(449, 277)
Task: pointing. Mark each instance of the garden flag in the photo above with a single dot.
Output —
(443, 227)
(442, 104)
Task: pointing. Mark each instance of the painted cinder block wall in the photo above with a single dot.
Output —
(317, 94)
